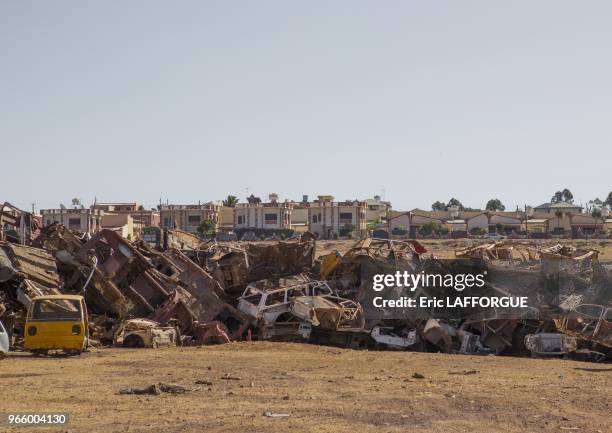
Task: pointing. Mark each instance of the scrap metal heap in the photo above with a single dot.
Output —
(18, 226)
(236, 266)
(179, 291)
(25, 272)
(292, 308)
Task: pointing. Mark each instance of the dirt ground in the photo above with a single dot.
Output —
(323, 389)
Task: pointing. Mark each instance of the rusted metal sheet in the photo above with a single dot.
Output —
(18, 226)
(279, 259)
(122, 277)
(209, 304)
(29, 263)
(590, 322)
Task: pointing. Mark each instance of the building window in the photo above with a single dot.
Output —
(270, 218)
(193, 220)
(346, 218)
(166, 222)
(314, 218)
(240, 219)
(74, 223)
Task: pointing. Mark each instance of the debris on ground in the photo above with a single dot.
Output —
(175, 289)
(276, 414)
(157, 389)
(465, 372)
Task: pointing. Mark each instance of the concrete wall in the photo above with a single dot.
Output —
(187, 217)
(84, 220)
(328, 219)
(226, 217)
(273, 217)
(123, 221)
(400, 222)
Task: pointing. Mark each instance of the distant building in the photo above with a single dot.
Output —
(299, 217)
(399, 223)
(141, 217)
(558, 216)
(458, 222)
(504, 222)
(537, 227)
(271, 215)
(376, 209)
(552, 208)
(461, 223)
(78, 218)
(586, 225)
(188, 217)
(226, 218)
(122, 223)
(117, 207)
(328, 218)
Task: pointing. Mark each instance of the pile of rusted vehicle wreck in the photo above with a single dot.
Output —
(179, 290)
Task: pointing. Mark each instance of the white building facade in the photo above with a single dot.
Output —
(271, 216)
(329, 219)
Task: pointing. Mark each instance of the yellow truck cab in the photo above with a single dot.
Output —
(57, 322)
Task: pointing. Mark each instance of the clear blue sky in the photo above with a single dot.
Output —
(194, 100)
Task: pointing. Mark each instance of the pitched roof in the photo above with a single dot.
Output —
(559, 205)
(445, 215)
(507, 214)
(395, 214)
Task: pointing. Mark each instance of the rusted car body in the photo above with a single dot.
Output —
(145, 333)
(590, 322)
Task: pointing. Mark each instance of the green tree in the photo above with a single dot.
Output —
(438, 205)
(495, 204)
(596, 213)
(564, 195)
(557, 197)
(230, 201)
(372, 225)
(608, 200)
(433, 228)
(206, 228)
(454, 202)
(477, 231)
(594, 204)
(253, 200)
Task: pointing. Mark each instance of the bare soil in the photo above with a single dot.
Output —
(323, 389)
